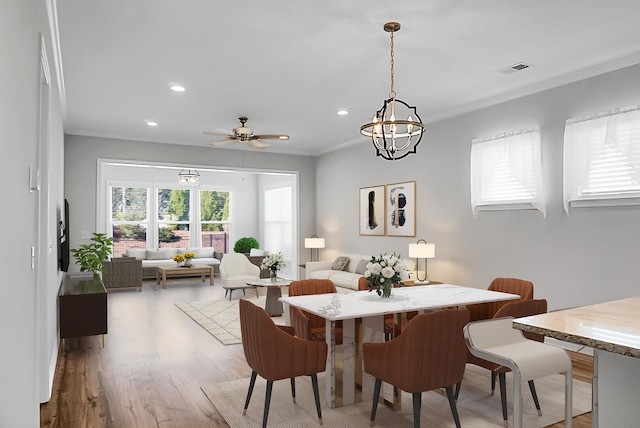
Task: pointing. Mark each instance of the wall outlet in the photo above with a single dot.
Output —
(86, 234)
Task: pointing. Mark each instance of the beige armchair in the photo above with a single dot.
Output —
(235, 271)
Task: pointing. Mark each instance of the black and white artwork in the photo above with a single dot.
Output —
(400, 201)
(372, 216)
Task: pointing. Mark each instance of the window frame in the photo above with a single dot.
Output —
(478, 159)
(572, 174)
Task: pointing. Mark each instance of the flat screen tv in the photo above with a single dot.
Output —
(63, 239)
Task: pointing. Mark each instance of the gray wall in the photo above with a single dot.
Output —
(589, 256)
(82, 154)
(28, 329)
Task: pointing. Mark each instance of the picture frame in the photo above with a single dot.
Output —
(372, 210)
(400, 209)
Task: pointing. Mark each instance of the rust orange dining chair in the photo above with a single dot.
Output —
(274, 353)
(429, 354)
(485, 311)
(307, 325)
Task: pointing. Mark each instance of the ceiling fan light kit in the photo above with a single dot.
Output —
(394, 138)
(245, 134)
(188, 177)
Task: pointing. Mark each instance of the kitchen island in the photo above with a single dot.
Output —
(612, 329)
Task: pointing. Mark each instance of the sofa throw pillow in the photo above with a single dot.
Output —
(340, 263)
(138, 253)
(362, 266)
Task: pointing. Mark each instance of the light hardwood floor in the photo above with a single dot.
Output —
(153, 364)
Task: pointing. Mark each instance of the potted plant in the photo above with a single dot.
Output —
(244, 245)
(90, 256)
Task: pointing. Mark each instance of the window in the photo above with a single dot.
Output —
(506, 172)
(215, 221)
(129, 218)
(602, 159)
(278, 222)
(174, 218)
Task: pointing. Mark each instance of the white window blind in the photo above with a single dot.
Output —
(602, 159)
(277, 224)
(506, 172)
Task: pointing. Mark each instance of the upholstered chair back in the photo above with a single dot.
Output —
(234, 264)
(273, 353)
(312, 286)
(429, 354)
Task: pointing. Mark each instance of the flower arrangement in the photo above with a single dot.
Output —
(178, 258)
(384, 271)
(274, 262)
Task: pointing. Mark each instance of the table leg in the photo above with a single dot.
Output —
(211, 275)
(157, 277)
(273, 306)
(164, 279)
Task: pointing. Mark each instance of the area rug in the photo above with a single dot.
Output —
(221, 318)
(476, 406)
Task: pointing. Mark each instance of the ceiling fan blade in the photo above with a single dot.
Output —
(218, 134)
(221, 142)
(272, 137)
(257, 144)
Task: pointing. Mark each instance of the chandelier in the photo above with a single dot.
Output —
(188, 177)
(394, 138)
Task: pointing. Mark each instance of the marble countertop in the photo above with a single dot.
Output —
(364, 303)
(611, 326)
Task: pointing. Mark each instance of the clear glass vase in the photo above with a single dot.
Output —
(274, 276)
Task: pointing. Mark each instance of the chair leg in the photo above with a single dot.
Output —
(251, 384)
(417, 404)
(376, 397)
(293, 388)
(493, 382)
(532, 387)
(452, 404)
(316, 395)
(257, 294)
(243, 293)
(458, 385)
(267, 403)
(503, 397)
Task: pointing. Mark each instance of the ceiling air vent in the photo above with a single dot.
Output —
(514, 68)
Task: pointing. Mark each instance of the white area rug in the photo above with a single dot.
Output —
(476, 406)
(221, 318)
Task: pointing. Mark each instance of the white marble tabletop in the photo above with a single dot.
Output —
(611, 326)
(361, 304)
(266, 282)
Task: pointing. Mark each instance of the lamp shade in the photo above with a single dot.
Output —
(314, 242)
(422, 250)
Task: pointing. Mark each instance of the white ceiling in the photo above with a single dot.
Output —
(291, 65)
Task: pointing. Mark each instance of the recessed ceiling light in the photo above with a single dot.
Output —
(284, 137)
(151, 123)
(343, 112)
(177, 88)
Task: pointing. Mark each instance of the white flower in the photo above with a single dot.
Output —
(388, 272)
(376, 268)
(367, 273)
(404, 275)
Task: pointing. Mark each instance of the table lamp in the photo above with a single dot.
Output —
(422, 250)
(314, 242)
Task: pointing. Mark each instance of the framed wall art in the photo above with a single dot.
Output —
(372, 215)
(400, 202)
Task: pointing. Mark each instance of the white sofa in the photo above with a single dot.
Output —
(345, 280)
(151, 259)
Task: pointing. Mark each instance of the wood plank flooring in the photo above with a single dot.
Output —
(152, 366)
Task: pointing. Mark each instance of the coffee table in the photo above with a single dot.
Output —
(273, 305)
(162, 272)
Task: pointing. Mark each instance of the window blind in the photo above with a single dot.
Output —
(602, 159)
(506, 172)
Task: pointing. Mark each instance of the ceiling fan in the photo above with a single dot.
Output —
(245, 135)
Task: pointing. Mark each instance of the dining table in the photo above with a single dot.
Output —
(361, 315)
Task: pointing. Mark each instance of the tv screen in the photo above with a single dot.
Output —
(63, 239)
